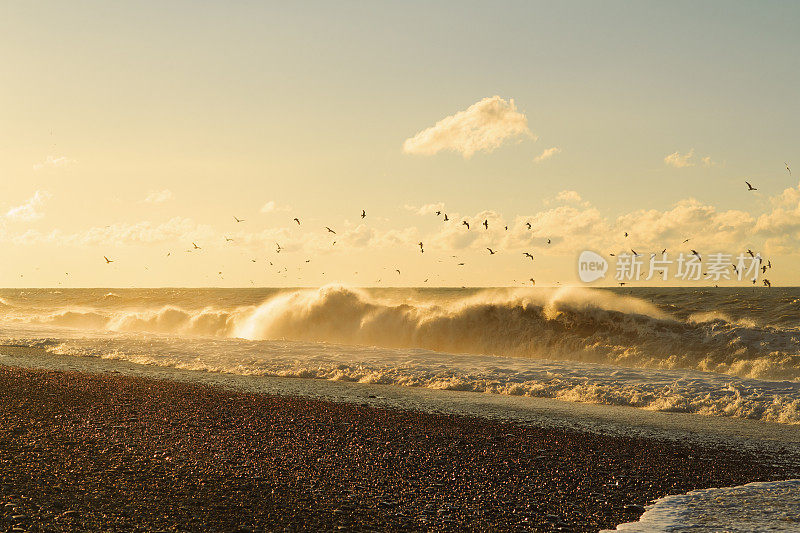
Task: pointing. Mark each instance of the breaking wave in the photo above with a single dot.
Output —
(574, 324)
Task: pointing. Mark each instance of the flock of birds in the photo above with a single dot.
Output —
(491, 251)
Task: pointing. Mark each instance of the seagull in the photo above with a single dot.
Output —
(634, 252)
(465, 223)
(533, 281)
(750, 187)
(548, 241)
(621, 283)
(528, 254)
(734, 268)
(491, 252)
(426, 280)
(663, 251)
(363, 214)
(486, 224)
(461, 264)
(764, 269)
(196, 247)
(687, 240)
(438, 213)
(108, 260)
(279, 247)
(769, 264)
(330, 230)
(767, 283)
(694, 253)
(445, 217)
(749, 251)
(506, 228)
(528, 224)
(421, 250)
(787, 168)
(228, 239)
(626, 233)
(397, 270)
(297, 220)
(238, 219)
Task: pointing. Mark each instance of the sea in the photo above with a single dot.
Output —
(716, 356)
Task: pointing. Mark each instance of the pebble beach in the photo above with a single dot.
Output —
(116, 453)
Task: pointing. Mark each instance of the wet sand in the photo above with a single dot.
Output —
(105, 452)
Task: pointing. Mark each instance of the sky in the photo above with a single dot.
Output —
(130, 131)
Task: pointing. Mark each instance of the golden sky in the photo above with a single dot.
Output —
(132, 131)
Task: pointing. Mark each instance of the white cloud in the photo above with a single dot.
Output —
(483, 126)
(30, 209)
(678, 160)
(271, 207)
(547, 154)
(53, 162)
(426, 209)
(157, 197)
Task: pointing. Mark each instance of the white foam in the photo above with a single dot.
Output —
(763, 506)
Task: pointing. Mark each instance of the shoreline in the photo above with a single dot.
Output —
(771, 438)
(97, 451)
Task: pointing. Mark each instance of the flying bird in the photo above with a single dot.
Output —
(228, 239)
(749, 251)
(196, 247)
(789, 170)
(528, 254)
(465, 223)
(548, 241)
(238, 219)
(528, 224)
(421, 249)
(108, 260)
(330, 230)
(438, 213)
(767, 283)
(445, 217)
(491, 252)
(397, 270)
(297, 220)
(687, 240)
(694, 253)
(279, 247)
(634, 252)
(626, 233)
(363, 214)
(750, 187)
(506, 228)
(533, 281)
(663, 251)
(486, 224)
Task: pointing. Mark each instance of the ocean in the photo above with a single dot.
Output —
(722, 354)
(725, 352)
